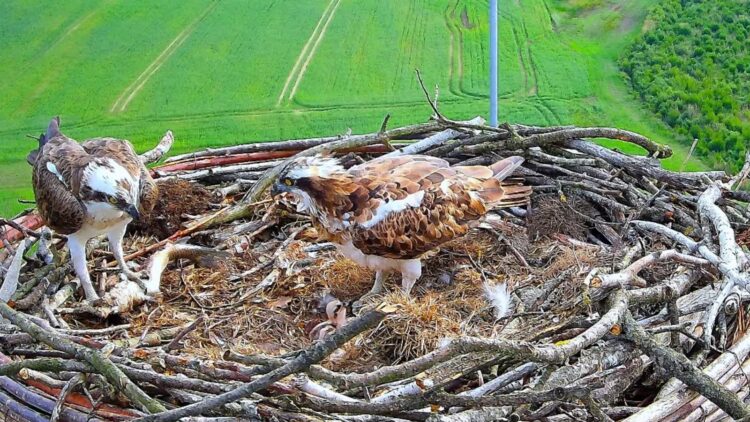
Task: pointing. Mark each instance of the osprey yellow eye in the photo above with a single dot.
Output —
(112, 200)
(288, 182)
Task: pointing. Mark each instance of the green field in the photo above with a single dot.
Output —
(219, 73)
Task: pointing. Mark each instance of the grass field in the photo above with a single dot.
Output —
(225, 72)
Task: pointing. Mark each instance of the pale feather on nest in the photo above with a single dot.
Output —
(499, 298)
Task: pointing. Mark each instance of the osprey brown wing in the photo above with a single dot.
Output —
(118, 149)
(56, 179)
(414, 231)
(149, 192)
(446, 210)
(454, 199)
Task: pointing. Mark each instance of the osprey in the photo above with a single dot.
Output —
(387, 213)
(89, 189)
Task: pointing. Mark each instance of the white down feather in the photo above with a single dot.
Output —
(499, 298)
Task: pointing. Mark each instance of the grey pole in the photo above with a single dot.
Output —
(493, 63)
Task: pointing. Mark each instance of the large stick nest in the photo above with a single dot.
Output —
(618, 270)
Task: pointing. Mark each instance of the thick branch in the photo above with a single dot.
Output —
(426, 143)
(657, 150)
(102, 364)
(550, 353)
(447, 400)
(680, 366)
(161, 148)
(741, 279)
(640, 166)
(605, 282)
(301, 144)
(299, 364)
(10, 282)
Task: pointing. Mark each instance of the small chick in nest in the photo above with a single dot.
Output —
(336, 314)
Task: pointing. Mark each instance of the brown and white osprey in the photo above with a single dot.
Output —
(89, 189)
(386, 213)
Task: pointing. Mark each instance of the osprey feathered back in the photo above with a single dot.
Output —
(89, 189)
(386, 213)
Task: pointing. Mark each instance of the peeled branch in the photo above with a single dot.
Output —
(10, 284)
(161, 148)
(203, 257)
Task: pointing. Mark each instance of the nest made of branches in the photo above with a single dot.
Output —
(246, 285)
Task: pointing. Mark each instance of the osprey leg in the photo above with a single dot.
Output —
(411, 270)
(377, 288)
(77, 248)
(115, 236)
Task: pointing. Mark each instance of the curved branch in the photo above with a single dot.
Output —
(680, 366)
(654, 149)
(550, 353)
(161, 148)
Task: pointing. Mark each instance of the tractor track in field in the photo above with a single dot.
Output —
(453, 69)
(530, 69)
(534, 75)
(54, 70)
(103, 123)
(406, 44)
(303, 52)
(552, 21)
(132, 90)
(521, 61)
(307, 53)
(71, 29)
(456, 55)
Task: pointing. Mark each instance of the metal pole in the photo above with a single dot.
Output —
(493, 63)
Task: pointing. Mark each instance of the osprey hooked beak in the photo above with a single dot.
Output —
(276, 190)
(281, 185)
(132, 211)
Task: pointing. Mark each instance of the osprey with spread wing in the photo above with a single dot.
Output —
(386, 213)
(89, 189)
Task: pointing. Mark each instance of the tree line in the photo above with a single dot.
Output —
(692, 68)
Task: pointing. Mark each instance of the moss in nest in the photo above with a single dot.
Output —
(476, 244)
(552, 216)
(354, 356)
(176, 198)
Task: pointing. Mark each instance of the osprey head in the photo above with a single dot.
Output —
(308, 180)
(108, 189)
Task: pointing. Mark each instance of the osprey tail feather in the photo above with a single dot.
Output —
(53, 129)
(499, 194)
(505, 195)
(505, 167)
